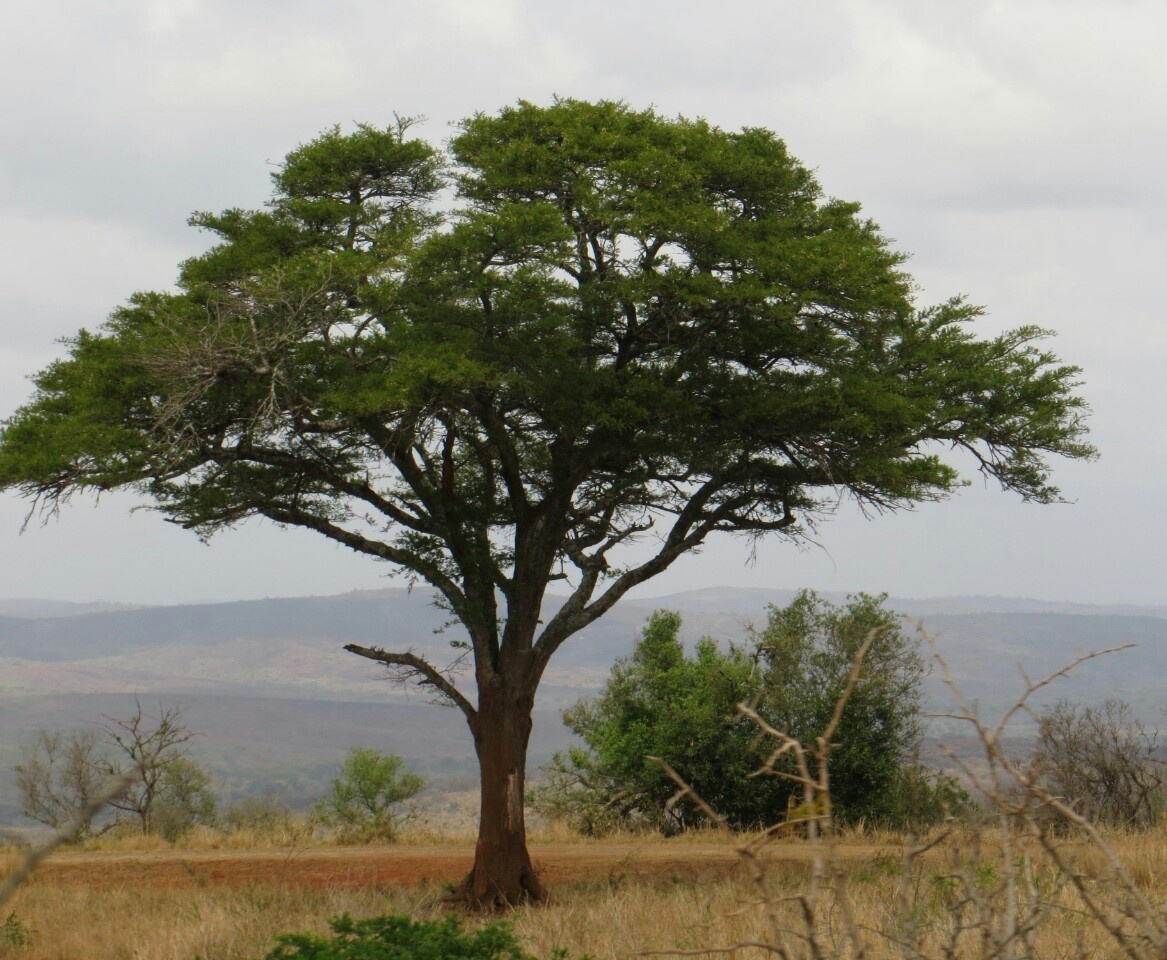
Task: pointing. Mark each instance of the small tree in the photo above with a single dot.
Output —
(58, 774)
(806, 654)
(151, 747)
(1101, 761)
(184, 799)
(371, 784)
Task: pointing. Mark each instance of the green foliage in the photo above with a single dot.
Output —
(806, 653)
(623, 313)
(918, 796)
(659, 702)
(184, 799)
(623, 322)
(370, 785)
(14, 932)
(399, 938)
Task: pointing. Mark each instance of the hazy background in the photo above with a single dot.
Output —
(1015, 149)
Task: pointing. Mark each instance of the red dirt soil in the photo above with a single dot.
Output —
(403, 865)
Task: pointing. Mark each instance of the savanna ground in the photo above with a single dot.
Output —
(220, 897)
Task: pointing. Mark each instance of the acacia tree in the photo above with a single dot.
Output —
(627, 328)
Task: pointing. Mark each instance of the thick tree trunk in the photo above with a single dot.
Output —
(502, 875)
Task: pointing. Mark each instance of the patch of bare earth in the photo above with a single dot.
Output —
(401, 865)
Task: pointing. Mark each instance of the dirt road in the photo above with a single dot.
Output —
(404, 865)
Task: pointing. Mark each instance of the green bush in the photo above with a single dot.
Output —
(660, 702)
(14, 932)
(184, 800)
(399, 938)
(920, 796)
(362, 799)
(806, 654)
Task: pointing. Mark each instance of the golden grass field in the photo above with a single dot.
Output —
(611, 898)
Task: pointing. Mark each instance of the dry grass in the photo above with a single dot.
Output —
(606, 919)
(70, 921)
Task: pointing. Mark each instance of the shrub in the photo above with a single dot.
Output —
(661, 703)
(14, 932)
(1102, 761)
(184, 799)
(371, 784)
(807, 651)
(262, 815)
(399, 938)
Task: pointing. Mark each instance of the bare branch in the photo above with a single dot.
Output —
(405, 667)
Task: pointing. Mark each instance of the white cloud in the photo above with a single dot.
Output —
(497, 22)
(168, 16)
(305, 71)
(939, 89)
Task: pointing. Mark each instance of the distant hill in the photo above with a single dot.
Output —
(278, 701)
(32, 608)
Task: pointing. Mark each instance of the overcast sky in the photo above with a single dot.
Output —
(1015, 149)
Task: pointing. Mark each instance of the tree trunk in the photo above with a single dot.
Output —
(502, 875)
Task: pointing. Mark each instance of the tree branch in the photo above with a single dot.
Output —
(693, 524)
(428, 571)
(409, 666)
(320, 473)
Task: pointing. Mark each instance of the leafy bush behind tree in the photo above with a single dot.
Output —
(805, 656)
(660, 702)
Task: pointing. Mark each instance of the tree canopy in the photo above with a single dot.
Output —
(623, 327)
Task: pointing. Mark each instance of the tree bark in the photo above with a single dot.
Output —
(502, 875)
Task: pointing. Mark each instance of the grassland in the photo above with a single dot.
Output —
(874, 895)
